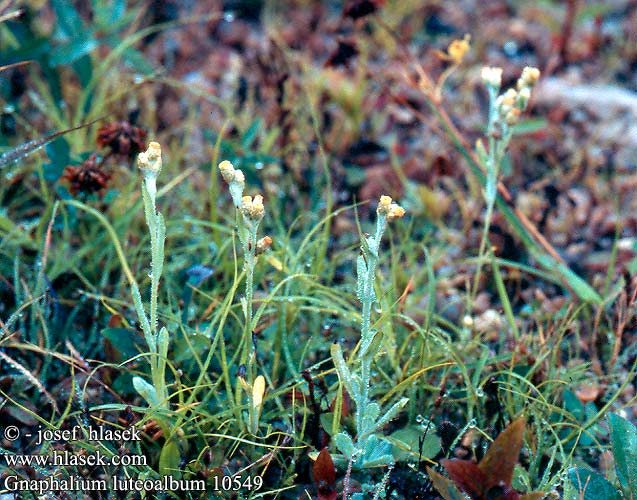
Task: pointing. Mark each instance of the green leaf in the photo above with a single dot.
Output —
(392, 412)
(344, 444)
(406, 443)
(25, 149)
(58, 152)
(73, 51)
(169, 460)
(182, 350)
(376, 453)
(529, 126)
(69, 22)
(124, 340)
(15, 234)
(250, 135)
(445, 487)
(106, 13)
(344, 374)
(592, 486)
(134, 58)
(623, 439)
(162, 342)
(573, 405)
(145, 390)
(582, 289)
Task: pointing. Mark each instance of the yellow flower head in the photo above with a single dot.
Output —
(263, 244)
(395, 212)
(457, 50)
(513, 116)
(253, 208)
(509, 97)
(230, 174)
(529, 77)
(384, 203)
(390, 209)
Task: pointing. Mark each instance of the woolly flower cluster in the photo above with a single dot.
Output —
(149, 162)
(510, 105)
(390, 209)
(236, 181)
(253, 208)
(492, 77)
(231, 174)
(263, 244)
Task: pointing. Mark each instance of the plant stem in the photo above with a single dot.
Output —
(368, 297)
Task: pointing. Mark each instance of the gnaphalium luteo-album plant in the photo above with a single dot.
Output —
(366, 450)
(250, 213)
(504, 114)
(156, 394)
(250, 341)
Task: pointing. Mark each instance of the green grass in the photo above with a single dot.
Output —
(70, 343)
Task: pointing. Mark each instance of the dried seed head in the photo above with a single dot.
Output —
(235, 179)
(87, 178)
(123, 138)
(395, 212)
(509, 97)
(149, 162)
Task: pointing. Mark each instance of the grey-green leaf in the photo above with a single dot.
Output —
(341, 368)
(344, 444)
(145, 390)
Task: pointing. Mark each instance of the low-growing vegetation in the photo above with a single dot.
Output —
(371, 250)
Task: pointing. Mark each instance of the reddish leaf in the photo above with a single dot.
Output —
(115, 321)
(499, 461)
(346, 407)
(444, 486)
(467, 476)
(325, 476)
(491, 478)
